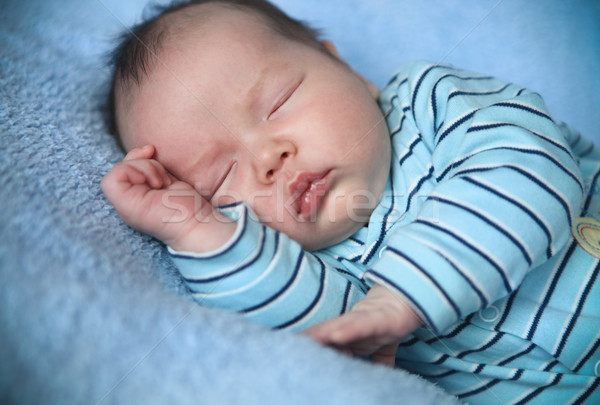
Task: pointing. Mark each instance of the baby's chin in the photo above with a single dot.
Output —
(319, 239)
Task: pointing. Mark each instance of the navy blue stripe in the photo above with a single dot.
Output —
(285, 287)
(359, 283)
(539, 390)
(429, 277)
(382, 232)
(355, 240)
(469, 78)
(453, 166)
(410, 150)
(584, 396)
(397, 130)
(453, 333)
(551, 365)
(490, 223)
(587, 356)
(419, 83)
(392, 80)
(486, 127)
(230, 205)
(439, 126)
(237, 270)
(507, 308)
(441, 360)
(439, 376)
(476, 93)
(545, 155)
(392, 107)
(455, 125)
(551, 289)
(556, 278)
(479, 390)
(314, 302)
(489, 344)
(474, 249)
(523, 208)
(346, 297)
(484, 301)
(517, 355)
(418, 187)
(575, 317)
(460, 92)
(409, 297)
(524, 108)
(410, 342)
(528, 175)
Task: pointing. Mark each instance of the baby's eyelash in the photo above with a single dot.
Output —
(286, 96)
(282, 101)
(222, 179)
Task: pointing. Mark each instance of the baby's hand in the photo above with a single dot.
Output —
(151, 200)
(374, 327)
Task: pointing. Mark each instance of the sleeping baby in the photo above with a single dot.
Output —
(426, 226)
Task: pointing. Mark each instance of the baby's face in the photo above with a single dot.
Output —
(244, 114)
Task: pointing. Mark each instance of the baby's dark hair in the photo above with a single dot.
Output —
(137, 48)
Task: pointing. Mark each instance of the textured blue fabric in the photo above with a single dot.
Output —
(93, 312)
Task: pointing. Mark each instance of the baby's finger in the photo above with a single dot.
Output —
(147, 171)
(336, 331)
(165, 176)
(144, 152)
(160, 175)
(386, 355)
(170, 177)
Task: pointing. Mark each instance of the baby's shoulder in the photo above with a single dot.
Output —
(416, 71)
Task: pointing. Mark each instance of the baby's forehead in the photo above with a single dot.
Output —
(207, 17)
(178, 34)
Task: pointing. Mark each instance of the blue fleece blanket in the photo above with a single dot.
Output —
(94, 312)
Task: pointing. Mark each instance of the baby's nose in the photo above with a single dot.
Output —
(271, 158)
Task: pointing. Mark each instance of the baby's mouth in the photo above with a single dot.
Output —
(306, 192)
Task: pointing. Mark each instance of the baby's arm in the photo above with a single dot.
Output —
(152, 201)
(495, 183)
(239, 265)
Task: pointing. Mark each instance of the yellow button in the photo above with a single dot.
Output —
(586, 232)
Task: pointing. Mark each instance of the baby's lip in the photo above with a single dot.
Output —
(306, 192)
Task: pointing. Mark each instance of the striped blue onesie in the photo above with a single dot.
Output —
(475, 229)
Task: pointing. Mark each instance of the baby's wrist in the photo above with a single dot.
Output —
(203, 235)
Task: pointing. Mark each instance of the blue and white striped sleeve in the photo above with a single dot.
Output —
(500, 187)
(268, 277)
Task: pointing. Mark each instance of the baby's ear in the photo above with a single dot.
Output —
(330, 47)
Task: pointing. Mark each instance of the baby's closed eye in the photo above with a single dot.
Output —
(219, 196)
(282, 100)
